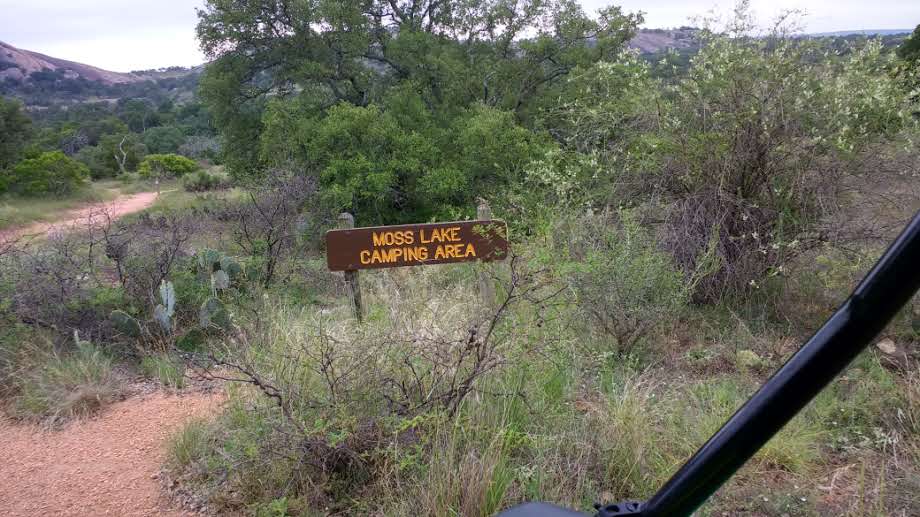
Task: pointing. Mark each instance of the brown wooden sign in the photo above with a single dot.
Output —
(416, 245)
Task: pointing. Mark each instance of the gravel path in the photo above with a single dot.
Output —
(107, 465)
(81, 217)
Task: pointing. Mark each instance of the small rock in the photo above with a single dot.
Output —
(887, 346)
(893, 356)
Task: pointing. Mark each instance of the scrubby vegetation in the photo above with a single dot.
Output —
(676, 233)
(166, 165)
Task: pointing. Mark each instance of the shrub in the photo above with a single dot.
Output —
(15, 132)
(146, 251)
(49, 174)
(622, 282)
(114, 154)
(68, 386)
(56, 288)
(166, 165)
(756, 142)
(265, 225)
(164, 139)
(204, 181)
(340, 397)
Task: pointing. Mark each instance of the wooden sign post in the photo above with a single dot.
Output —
(486, 285)
(352, 281)
(351, 249)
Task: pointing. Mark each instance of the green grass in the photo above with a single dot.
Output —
(189, 445)
(22, 211)
(165, 369)
(177, 199)
(132, 184)
(66, 386)
(587, 427)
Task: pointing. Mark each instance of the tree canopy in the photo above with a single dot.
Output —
(48, 174)
(15, 131)
(397, 78)
(909, 50)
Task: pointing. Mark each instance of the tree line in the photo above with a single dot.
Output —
(81, 141)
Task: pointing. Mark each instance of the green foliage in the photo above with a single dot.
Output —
(164, 140)
(208, 260)
(909, 50)
(367, 163)
(139, 114)
(126, 324)
(626, 286)
(166, 166)
(742, 187)
(15, 131)
(399, 88)
(389, 164)
(205, 181)
(114, 154)
(189, 444)
(213, 313)
(50, 174)
(743, 146)
(489, 153)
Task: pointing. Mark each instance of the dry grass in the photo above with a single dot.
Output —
(559, 419)
(64, 387)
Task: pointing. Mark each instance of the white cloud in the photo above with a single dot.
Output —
(118, 35)
(822, 15)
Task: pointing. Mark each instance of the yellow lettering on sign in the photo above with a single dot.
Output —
(416, 254)
(394, 255)
(393, 247)
(437, 235)
(400, 238)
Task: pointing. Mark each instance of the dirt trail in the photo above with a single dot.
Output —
(116, 208)
(102, 466)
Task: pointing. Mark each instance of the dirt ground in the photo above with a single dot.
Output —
(80, 217)
(107, 465)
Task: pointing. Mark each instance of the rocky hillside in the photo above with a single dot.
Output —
(18, 64)
(653, 41)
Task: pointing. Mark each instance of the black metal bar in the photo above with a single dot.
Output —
(885, 290)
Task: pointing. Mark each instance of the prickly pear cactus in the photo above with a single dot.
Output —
(163, 318)
(213, 314)
(208, 260)
(164, 312)
(79, 342)
(230, 266)
(220, 280)
(168, 297)
(125, 324)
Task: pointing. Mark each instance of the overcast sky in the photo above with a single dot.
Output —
(125, 35)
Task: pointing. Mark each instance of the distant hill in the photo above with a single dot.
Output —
(863, 32)
(42, 81)
(18, 64)
(654, 41)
